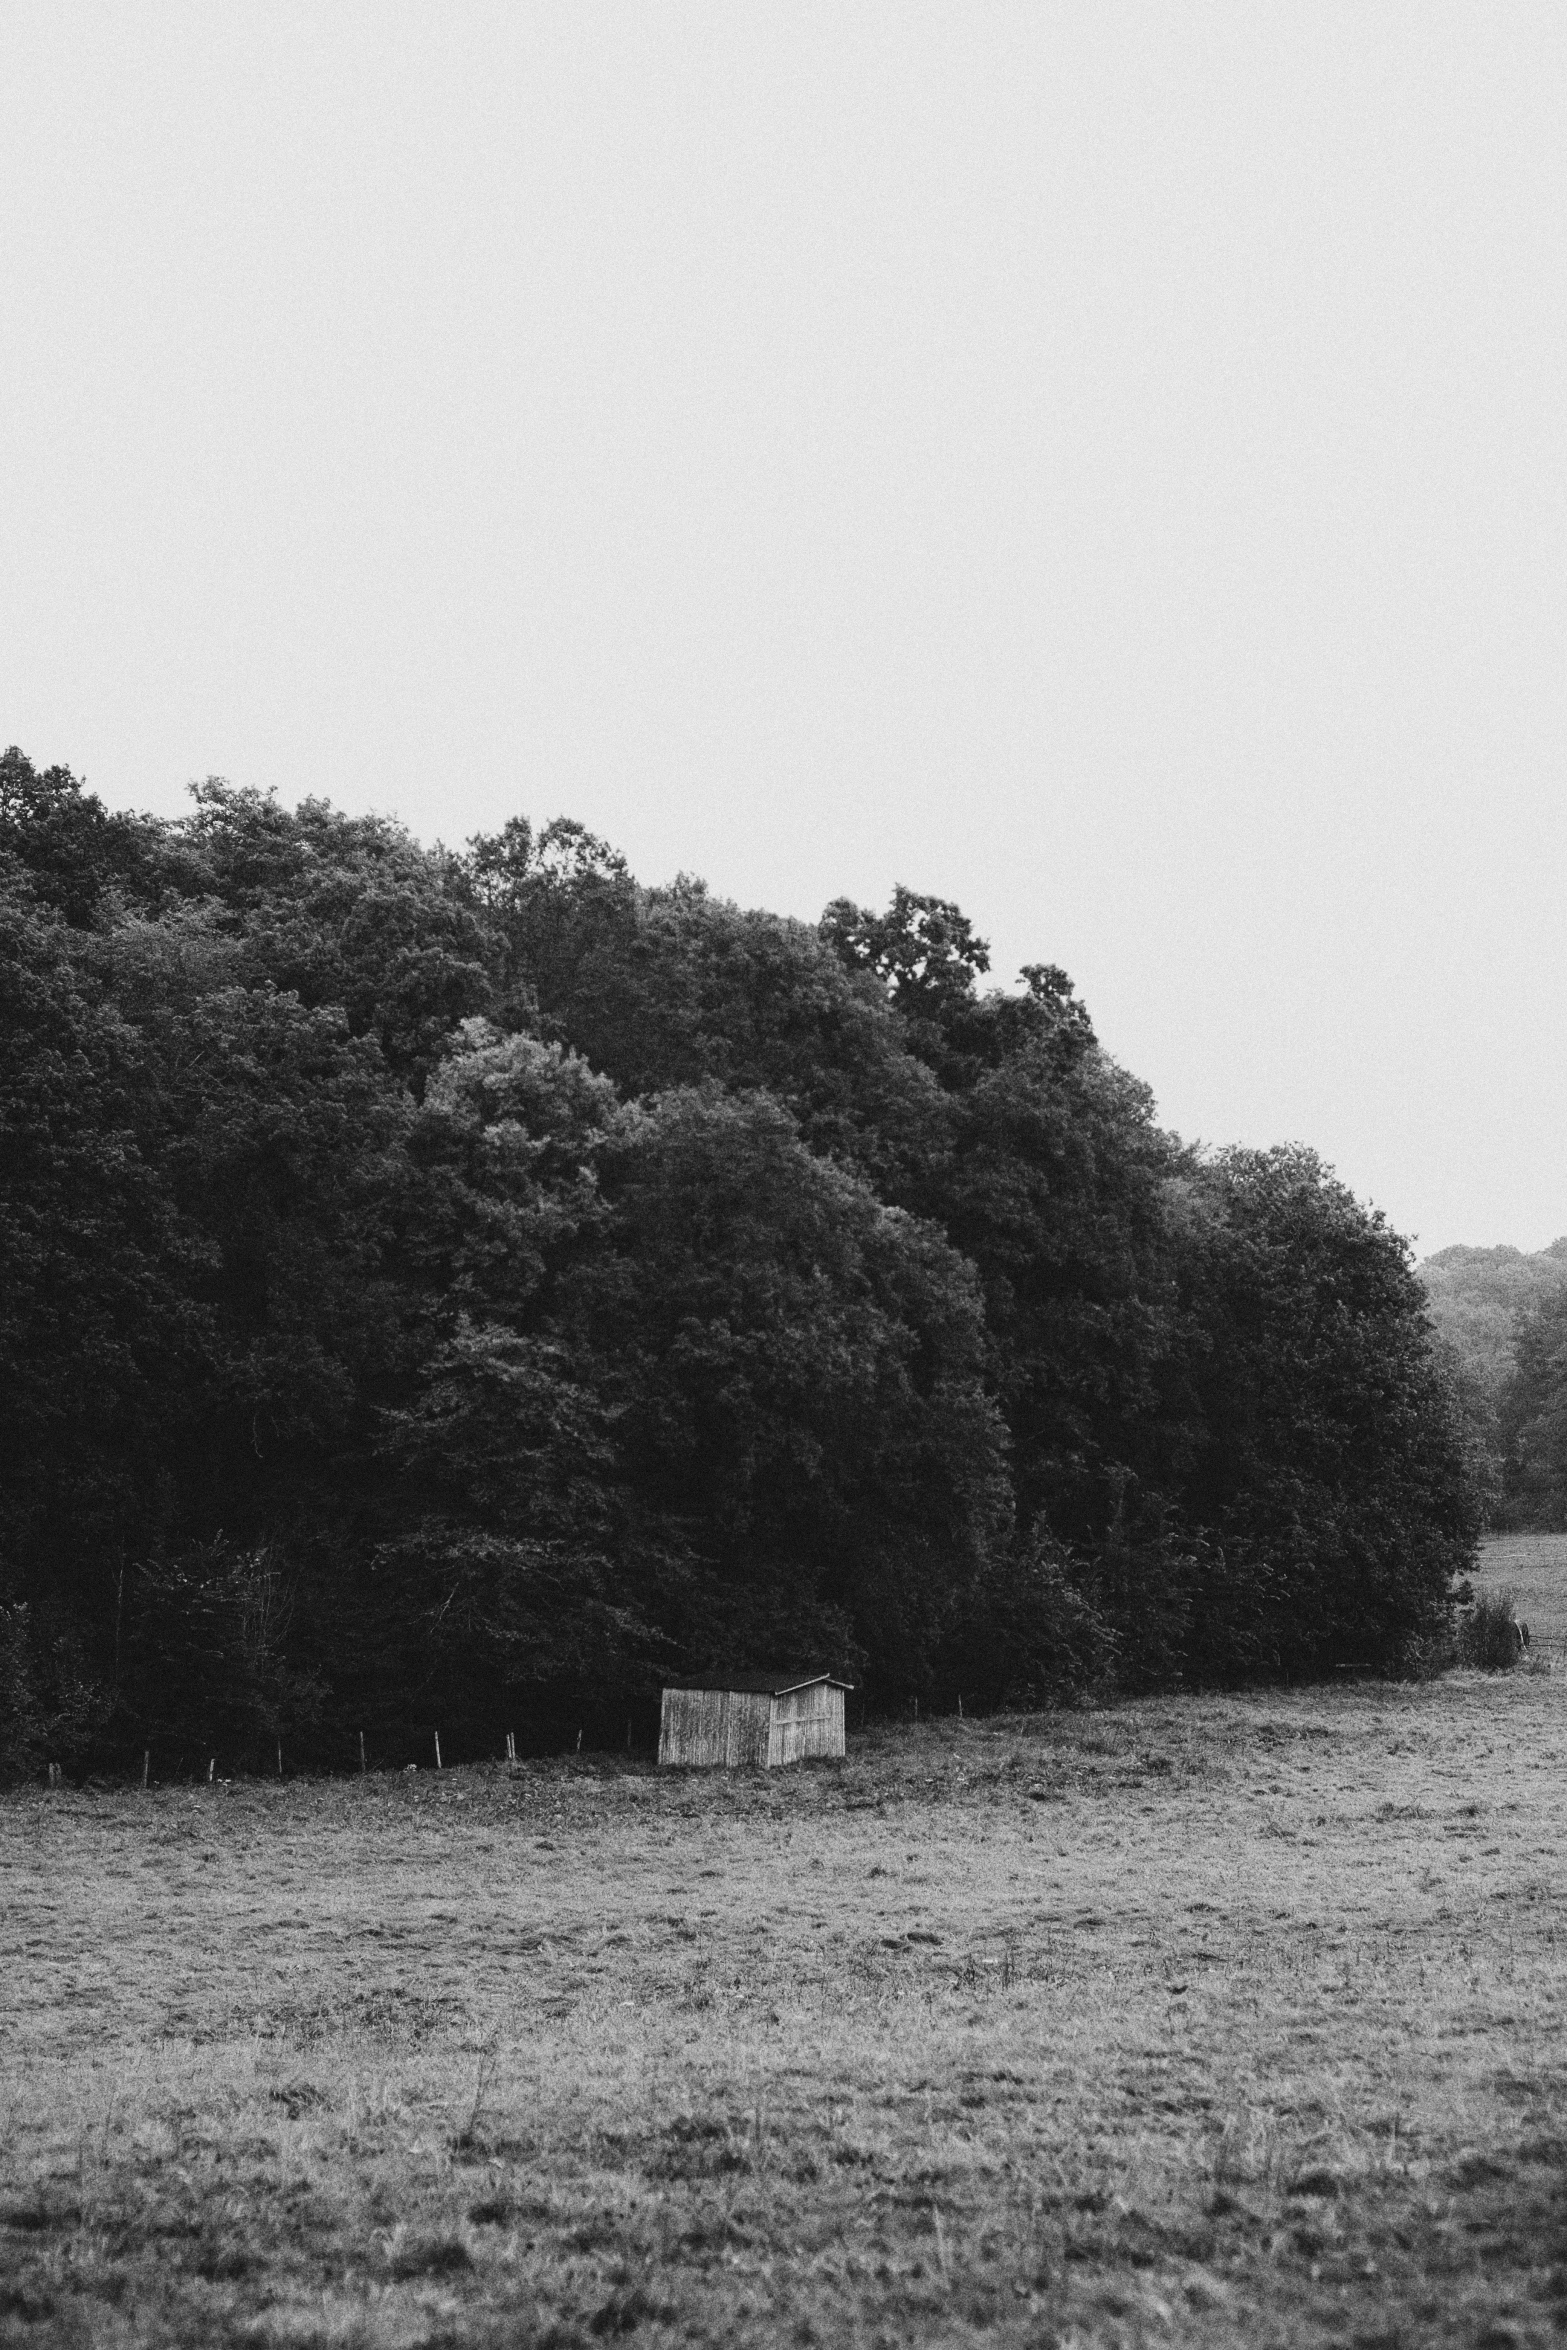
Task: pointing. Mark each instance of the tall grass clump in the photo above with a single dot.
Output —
(1487, 1632)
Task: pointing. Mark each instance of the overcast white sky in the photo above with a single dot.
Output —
(1102, 463)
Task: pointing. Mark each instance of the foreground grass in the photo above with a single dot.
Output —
(1213, 2021)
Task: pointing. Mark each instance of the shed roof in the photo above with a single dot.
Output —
(758, 1684)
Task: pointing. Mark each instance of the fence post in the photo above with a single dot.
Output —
(362, 1764)
(146, 1760)
(438, 1750)
(280, 1758)
(54, 1774)
(212, 1769)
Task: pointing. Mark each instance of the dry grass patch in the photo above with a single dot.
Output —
(1210, 2021)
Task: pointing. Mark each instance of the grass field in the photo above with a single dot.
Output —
(1218, 2021)
(1534, 1567)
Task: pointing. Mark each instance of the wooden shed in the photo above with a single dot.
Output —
(756, 1718)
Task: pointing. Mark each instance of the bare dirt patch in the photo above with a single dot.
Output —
(1207, 2021)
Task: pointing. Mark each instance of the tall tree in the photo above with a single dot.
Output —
(796, 1372)
(1532, 1418)
(102, 1345)
(1332, 1465)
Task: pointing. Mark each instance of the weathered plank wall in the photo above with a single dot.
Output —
(806, 1722)
(706, 1726)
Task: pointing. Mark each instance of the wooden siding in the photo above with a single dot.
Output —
(806, 1722)
(734, 1728)
(725, 1726)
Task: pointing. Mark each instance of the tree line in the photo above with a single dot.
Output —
(1501, 1319)
(473, 1287)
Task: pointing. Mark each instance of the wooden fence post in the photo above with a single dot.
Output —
(54, 1774)
(438, 1764)
(146, 1761)
(280, 1758)
(212, 1769)
(363, 1766)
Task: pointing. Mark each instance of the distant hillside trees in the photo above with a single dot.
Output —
(469, 1287)
(1501, 1315)
(1532, 1421)
(1479, 1296)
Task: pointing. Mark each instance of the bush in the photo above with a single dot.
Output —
(208, 1661)
(1426, 1656)
(1488, 1637)
(48, 1708)
(1029, 1636)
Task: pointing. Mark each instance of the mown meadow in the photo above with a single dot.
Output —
(1194, 2019)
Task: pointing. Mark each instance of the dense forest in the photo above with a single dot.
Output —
(465, 1288)
(1501, 1318)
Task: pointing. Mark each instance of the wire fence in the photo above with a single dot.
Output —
(324, 1750)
